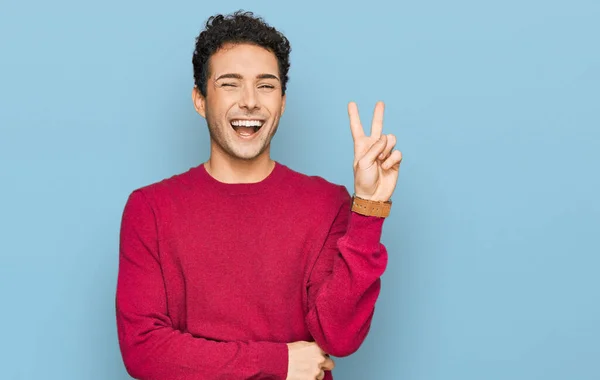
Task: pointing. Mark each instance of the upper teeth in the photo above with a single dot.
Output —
(246, 123)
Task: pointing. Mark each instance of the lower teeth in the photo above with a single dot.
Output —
(246, 131)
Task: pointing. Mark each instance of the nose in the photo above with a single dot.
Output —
(248, 98)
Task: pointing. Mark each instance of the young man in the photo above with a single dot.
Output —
(242, 268)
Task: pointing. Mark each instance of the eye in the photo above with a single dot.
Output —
(266, 86)
(228, 85)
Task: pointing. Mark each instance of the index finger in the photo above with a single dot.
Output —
(355, 126)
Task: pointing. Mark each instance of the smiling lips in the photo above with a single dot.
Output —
(246, 127)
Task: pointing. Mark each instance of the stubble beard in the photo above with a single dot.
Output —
(219, 136)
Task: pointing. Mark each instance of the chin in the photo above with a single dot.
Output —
(246, 155)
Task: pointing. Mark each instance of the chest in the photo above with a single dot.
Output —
(252, 249)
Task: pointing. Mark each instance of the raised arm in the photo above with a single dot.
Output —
(344, 283)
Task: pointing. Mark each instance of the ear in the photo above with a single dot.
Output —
(283, 104)
(199, 101)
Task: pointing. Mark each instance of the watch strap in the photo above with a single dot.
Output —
(371, 208)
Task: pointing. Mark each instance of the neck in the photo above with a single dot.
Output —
(230, 170)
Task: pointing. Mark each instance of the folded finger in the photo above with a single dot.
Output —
(374, 151)
(393, 160)
(391, 143)
(328, 365)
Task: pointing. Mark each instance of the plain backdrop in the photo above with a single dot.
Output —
(494, 237)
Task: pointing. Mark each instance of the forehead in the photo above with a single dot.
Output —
(245, 59)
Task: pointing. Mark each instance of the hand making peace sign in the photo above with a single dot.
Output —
(376, 163)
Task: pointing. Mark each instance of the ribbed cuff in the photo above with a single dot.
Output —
(364, 231)
(272, 360)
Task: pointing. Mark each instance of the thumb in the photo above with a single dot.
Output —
(374, 151)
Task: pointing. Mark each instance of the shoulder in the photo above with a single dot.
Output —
(166, 189)
(317, 188)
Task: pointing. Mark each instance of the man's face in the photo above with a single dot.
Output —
(243, 102)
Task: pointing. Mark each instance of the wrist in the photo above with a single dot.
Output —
(371, 197)
(370, 207)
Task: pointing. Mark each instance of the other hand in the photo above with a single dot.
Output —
(307, 361)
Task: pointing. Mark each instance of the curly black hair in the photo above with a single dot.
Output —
(238, 27)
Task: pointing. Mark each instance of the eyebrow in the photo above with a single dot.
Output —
(239, 76)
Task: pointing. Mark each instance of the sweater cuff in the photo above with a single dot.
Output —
(364, 231)
(272, 359)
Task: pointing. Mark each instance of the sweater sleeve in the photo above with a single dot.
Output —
(344, 283)
(151, 348)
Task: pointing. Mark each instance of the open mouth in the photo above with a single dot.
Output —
(246, 128)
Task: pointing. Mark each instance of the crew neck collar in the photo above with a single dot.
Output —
(267, 183)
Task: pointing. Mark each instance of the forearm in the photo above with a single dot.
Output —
(152, 350)
(342, 308)
(151, 347)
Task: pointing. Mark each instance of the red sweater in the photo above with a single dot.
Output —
(214, 278)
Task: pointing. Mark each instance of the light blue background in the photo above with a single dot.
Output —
(494, 238)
